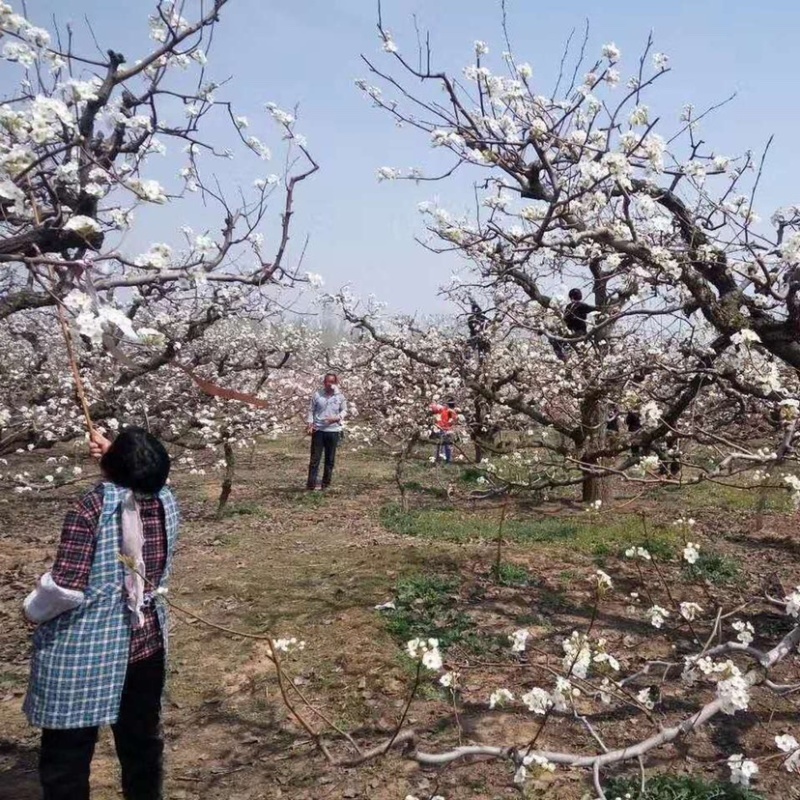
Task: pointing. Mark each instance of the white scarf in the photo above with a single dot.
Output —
(132, 547)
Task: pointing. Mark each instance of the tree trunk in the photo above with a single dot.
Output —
(498, 561)
(227, 479)
(478, 428)
(592, 487)
(780, 457)
(399, 469)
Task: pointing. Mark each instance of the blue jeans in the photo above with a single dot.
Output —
(444, 443)
(322, 442)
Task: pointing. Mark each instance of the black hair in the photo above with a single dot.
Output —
(451, 403)
(332, 375)
(136, 460)
(575, 294)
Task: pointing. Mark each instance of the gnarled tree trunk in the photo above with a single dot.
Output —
(227, 478)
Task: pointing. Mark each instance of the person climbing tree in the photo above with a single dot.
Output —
(576, 313)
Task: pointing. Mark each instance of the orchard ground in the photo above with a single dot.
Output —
(314, 566)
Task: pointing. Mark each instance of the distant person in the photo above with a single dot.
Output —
(633, 422)
(576, 313)
(670, 456)
(325, 417)
(446, 418)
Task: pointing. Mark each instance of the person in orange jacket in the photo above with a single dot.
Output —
(446, 418)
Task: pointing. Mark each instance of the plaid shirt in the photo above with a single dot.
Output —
(75, 555)
(80, 658)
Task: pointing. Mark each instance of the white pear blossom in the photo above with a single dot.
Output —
(149, 190)
(742, 769)
(280, 116)
(645, 697)
(19, 52)
(657, 615)
(793, 603)
(691, 552)
(159, 256)
(288, 645)
(733, 691)
(389, 45)
(793, 482)
(500, 697)
(746, 336)
(525, 71)
(151, 336)
(258, 147)
(315, 280)
(788, 744)
(519, 640)
(426, 651)
(537, 700)
(689, 611)
(84, 226)
(535, 764)
(651, 414)
(577, 655)
(638, 552)
(449, 680)
(205, 245)
(745, 631)
(611, 52)
(603, 580)
(389, 174)
(639, 116)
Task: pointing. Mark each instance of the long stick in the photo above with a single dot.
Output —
(76, 374)
(73, 362)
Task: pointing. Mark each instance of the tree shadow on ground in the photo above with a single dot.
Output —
(19, 778)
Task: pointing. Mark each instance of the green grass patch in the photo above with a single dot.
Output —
(512, 575)
(720, 570)
(731, 498)
(310, 499)
(598, 536)
(12, 680)
(471, 475)
(420, 488)
(427, 606)
(244, 510)
(668, 787)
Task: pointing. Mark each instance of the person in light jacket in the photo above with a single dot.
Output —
(326, 415)
(99, 647)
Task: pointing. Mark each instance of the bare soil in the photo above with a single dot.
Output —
(314, 566)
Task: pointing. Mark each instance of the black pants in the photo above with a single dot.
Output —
(327, 442)
(66, 755)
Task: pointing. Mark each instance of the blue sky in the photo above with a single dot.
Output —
(307, 52)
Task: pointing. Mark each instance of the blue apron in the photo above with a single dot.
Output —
(80, 657)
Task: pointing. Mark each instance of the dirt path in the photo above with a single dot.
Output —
(311, 566)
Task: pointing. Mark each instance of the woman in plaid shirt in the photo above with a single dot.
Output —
(99, 650)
